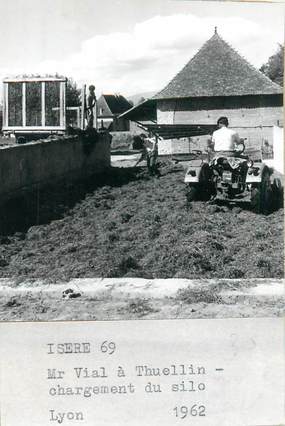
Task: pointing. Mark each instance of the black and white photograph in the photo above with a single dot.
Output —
(141, 160)
(141, 213)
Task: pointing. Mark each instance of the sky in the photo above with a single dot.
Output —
(128, 46)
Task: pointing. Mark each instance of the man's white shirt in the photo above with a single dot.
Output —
(225, 139)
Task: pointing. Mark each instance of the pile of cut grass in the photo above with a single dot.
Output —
(132, 225)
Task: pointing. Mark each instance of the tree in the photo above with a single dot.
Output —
(274, 67)
(72, 93)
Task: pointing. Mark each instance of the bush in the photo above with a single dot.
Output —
(191, 295)
(140, 307)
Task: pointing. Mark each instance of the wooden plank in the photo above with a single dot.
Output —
(83, 101)
(5, 105)
(62, 104)
(95, 114)
(24, 104)
(67, 108)
(43, 99)
(31, 129)
(181, 126)
(33, 79)
(177, 135)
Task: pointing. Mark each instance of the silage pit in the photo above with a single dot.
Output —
(133, 225)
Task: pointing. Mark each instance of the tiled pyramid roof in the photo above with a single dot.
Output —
(218, 70)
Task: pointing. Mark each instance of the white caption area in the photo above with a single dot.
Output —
(178, 372)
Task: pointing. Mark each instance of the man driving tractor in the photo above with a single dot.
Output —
(223, 142)
(224, 139)
(230, 174)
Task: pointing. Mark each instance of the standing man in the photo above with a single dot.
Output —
(150, 154)
(153, 155)
(224, 139)
(91, 105)
(144, 152)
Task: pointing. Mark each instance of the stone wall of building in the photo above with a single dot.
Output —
(168, 112)
(254, 139)
(255, 124)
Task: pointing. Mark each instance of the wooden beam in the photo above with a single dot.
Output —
(33, 79)
(43, 99)
(83, 101)
(33, 129)
(23, 104)
(62, 104)
(5, 104)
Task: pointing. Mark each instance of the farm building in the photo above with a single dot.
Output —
(109, 108)
(216, 82)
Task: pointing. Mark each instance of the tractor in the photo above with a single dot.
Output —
(233, 176)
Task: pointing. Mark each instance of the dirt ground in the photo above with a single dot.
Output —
(223, 299)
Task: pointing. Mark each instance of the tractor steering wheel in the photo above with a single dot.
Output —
(240, 147)
(196, 152)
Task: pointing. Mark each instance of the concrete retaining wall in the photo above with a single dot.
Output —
(23, 167)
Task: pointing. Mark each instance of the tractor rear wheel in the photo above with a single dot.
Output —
(191, 193)
(255, 199)
(199, 192)
(205, 187)
(277, 194)
(261, 195)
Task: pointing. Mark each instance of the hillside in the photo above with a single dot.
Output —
(137, 97)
